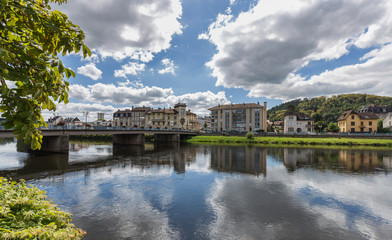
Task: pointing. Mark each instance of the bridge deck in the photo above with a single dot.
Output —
(62, 132)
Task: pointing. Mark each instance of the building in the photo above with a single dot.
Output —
(205, 123)
(380, 110)
(243, 117)
(134, 117)
(387, 121)
(171, 118)
(54, 121)
(72, 121)
(352, 121)
(297, 122)
(100, 116)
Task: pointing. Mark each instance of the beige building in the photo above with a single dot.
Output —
(172, 118)
(134, 117)
(239, 117)
(352, 121)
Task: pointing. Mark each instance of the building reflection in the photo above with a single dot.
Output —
(338, 159)
(241, 159)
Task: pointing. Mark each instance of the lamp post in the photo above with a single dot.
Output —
(85, 114)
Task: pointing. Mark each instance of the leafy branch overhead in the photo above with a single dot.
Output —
(32, 37)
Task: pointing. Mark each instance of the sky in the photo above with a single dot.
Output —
(207, 52)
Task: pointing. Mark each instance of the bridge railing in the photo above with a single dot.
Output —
(119, 128)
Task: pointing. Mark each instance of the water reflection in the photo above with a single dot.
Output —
(342, 160)
(190, 192)
(240, 159)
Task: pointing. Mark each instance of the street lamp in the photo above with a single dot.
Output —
(85, 114)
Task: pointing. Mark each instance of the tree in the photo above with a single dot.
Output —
(333, 127)
(32, 75)
(380, 127)
(320, 125)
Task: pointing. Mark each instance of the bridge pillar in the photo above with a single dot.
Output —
(128, 139)
(167, 137)
(50, 144)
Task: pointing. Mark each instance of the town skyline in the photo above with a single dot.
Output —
(204, 53)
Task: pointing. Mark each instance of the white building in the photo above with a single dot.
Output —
(387, 122)
(298, 123)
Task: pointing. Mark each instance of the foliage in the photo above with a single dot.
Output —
(328, 109)
(333, 127)
(320, 126)
(26, 214)
(249, 135)
(380, 127)
(32, 75)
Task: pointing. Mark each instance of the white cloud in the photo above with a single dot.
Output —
(372, 76)
(199, 102)
(135, 94)
(131, 68)
(169, 67)
(76, 110)
(91, 71)
(121, 28)
(261, 49)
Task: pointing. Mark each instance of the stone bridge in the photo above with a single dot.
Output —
(57, 140)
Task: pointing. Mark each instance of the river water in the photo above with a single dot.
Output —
(214, 192)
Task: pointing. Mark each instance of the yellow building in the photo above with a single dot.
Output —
(352, 121)
(172, 118)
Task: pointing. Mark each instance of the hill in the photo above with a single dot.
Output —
(327, 108)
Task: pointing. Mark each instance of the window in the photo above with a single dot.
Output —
(370, 123)
(352, 129)
(362, 124)
(370, 129)
(352, 123)
(291, 117)
(291, 129)
(352, 117)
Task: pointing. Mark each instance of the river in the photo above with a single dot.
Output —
(214, 192)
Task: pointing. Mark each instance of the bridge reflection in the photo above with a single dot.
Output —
(40, 165)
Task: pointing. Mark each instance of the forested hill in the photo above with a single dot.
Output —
(328, 108)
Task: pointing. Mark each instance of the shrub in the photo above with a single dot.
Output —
(26, 214)
(249, 135)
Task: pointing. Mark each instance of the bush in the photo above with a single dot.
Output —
(249, 135)
(26, 214)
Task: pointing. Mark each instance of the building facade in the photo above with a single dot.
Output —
(134, 117)
(352, 121)
(171, 118)
(239, 117)
(387, 121)
(298, 123)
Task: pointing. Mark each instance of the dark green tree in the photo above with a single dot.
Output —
(32, 75)
(320, 126)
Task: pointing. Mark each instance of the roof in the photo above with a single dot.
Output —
(236, 106)
(300, 116)
(136, 109)
(361, 115)
(166, 111)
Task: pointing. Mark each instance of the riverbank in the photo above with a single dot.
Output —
(338, 141)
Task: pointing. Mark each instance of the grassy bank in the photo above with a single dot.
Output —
(292, 140)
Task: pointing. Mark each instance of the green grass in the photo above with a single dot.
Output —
(293, 140)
